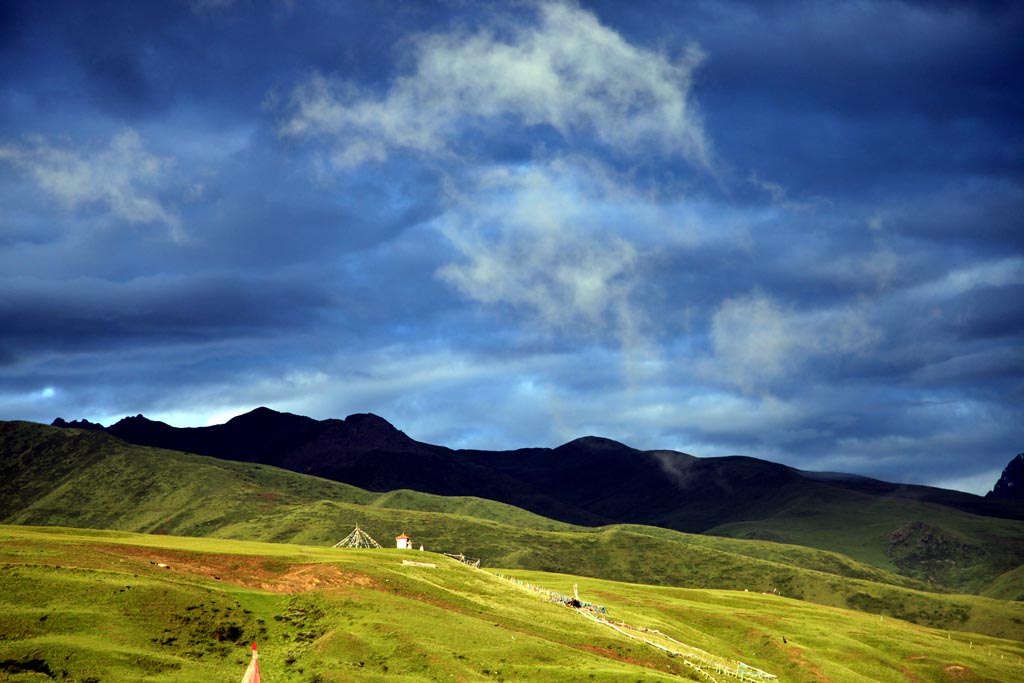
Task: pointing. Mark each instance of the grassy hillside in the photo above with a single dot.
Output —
(95, 481)
(90, 606)
(70, 477)
(652, 556)
(930, 542)
(1009, 586)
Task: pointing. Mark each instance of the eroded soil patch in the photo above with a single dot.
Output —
(242, 570)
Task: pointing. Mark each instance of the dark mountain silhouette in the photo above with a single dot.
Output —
(78, 424)
(589, 481)
(1011, 484)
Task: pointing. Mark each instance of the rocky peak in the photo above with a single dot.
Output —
(77, 424)
(1011, 484)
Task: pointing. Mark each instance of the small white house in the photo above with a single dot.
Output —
(403, 542)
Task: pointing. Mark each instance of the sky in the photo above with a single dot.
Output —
(789, 230)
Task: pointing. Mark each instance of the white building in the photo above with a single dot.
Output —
(403, 542)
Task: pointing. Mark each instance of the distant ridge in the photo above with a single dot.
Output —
(590, 480)
(78, 424)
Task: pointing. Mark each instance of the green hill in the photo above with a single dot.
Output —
(1009, 586)
(934, 543)
(91, 606)
(952, 539)
(84, 479)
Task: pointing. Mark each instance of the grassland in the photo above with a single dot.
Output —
(91, 606)
(77, 479)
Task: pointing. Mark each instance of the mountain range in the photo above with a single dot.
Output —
(946, 537)
(590, 480)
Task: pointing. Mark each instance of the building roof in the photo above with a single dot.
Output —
(408, 538)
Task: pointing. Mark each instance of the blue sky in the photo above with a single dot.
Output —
(788, 230)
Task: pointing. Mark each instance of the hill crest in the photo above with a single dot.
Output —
(589, 480)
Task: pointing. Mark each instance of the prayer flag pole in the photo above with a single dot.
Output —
(252, 674)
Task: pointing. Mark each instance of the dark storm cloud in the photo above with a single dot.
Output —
(789, 230)
(263, 208)
(969, 214)
(88, 314)
(990, 312)
(839, 99)
(138, 58)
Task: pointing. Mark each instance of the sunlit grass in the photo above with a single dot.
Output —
(98, 606)
(93, 480)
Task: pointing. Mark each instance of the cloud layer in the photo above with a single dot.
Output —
(785, 231)
(121, 177)
(565, 72)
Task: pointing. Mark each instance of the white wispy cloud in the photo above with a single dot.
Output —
(526, 238)
(122, 176)
(566, 71)
(757, 340)
(992, 273)
(780, 195)
(558, 237)
(566, 243)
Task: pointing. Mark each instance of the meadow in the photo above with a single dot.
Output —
(91, 606)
